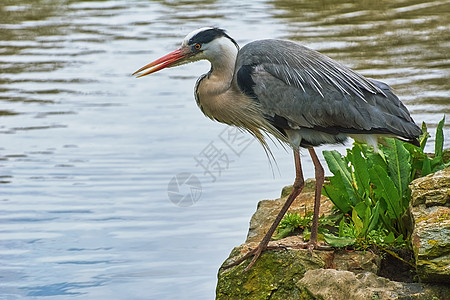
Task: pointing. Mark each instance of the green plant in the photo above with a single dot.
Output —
(371, 188)
(292, 222)
(353, 234)
(422, 163)
(370, 191)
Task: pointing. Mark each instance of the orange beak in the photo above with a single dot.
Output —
(171, 59)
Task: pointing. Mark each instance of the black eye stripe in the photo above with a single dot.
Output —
(206, 36)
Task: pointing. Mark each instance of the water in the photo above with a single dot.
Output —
(87, 151)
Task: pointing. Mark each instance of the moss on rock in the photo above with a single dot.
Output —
(274, 275)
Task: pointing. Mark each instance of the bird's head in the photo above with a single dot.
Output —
(208, 43)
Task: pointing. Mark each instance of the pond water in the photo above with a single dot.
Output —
(92, 160)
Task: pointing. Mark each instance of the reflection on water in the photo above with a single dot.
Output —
(87, 151)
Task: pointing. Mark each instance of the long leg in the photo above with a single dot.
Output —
(296, 189)
(320, 177)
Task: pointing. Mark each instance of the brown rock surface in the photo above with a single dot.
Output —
(431, 235)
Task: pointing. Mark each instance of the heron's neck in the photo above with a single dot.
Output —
(222, 68)
(214, 91)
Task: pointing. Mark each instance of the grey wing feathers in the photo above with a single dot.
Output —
(310, 90)
(299, 66)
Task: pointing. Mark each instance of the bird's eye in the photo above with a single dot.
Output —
(197, 46)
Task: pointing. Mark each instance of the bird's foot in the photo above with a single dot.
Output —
(311, 246)
(256, 253)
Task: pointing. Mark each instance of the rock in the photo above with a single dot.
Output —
(431, 235)
(431, 243)
(273, 276)
(431, 190)
(332, 284)
(357, 262)
(297, 274)
(336, 285)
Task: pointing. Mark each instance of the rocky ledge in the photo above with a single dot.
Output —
(292, 273)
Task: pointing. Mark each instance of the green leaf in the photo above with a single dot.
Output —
(374, 217)
(283, 233)
(357, 222)
(424, 136)
(366, 220)
(385, 219)
(338, 241)
(374, 158)
(400, 239)
(338, 165)
(336, 191)
(361, 172)
(398, 165)
(439, 143)
(361, 209)
(386, 189)
(426, 166)
(390, 238)
(417, 158)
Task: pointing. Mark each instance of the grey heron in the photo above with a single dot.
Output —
(300, 96)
